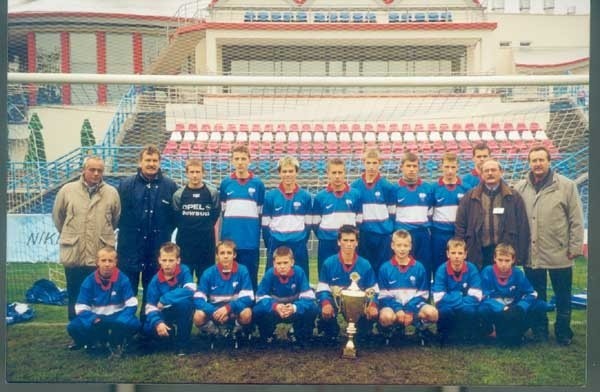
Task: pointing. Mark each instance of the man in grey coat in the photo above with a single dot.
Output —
(556, 220)
(86, 213)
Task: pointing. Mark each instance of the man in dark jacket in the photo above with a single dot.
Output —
(492, 213)
(147, 220)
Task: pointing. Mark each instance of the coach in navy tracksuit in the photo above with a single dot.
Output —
(147, 219)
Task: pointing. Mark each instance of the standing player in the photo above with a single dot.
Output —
(333, 207)
(198, 208)
(413, 201)
(335, 275)
(481, 152)
(447, 193)
(378, 204)
(286, 215)
(242, 196)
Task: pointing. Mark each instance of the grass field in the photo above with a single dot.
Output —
(36, 352)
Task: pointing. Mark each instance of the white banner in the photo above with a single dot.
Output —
(31, 238)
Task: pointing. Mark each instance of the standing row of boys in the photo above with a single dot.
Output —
(149, 206)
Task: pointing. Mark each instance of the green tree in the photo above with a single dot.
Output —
(36, 150)
(87, 134)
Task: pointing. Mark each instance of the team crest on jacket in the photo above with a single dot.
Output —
(234, 284)
(349, 202)
(251, 191)
(460, 195)
(377, 194)
(413, 280)
(294, 286)
(422, 196)
(297, 205)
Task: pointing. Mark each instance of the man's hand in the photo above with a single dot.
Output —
(221, 315)
(327, 312)
(372, 312)
(162, 329)
(284, 310)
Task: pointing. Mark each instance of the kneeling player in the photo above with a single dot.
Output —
(105, 308)
(225, 294)
(403, 286)
(284, 296)
(509, 301)
(169, 302)
(456, 293)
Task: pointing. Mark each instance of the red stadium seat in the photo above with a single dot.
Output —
(170, 148)
(331, 127)
(521, 127)
(368, 128)
(185, 148)
(534, 127)
(205, 127)
(306, 127)
(193, 127)
(381, 127)
(294, 127)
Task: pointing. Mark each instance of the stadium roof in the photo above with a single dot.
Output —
(131, 7)
(551, 57)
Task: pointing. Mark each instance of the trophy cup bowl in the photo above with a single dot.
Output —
(353, 301)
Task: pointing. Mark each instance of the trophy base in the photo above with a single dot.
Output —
(349, 353)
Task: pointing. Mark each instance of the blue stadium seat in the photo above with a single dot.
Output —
(320, 17)
(433, 17)
(248, 16)
(301, 16)
(446, 16)
(358, 17)
(344, 17)
(262, 16)
(419, 17)
(405, 17)
(371, 17)
(393, 17)
(275, 16)
(333, 17)
(288, 17)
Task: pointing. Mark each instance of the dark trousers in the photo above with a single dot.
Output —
(300, 254)
(461, 321)
(562, 284)
(179, 318)
(148, 271)
(375, 247)
(249, 258)
(108, 330)
(75, 277)
(303, 324)
(198, 257)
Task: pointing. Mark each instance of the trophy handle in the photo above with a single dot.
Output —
(370, 295)
(336, 292)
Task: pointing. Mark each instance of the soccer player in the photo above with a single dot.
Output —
(447, 193)
(170, 305)
(377, 196)
(413, 201)
(284, 296)
(242, 196)
(456, 293)
(509, 301)
(481, 152)
(198, 209)
(105, 308)
(335, 276)
(286, 218)
(404, 289)
(225, 293)
(333, 207)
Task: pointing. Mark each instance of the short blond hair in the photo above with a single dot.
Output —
(288, 161)
(505, 249)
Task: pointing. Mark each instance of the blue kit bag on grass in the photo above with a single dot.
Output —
(18, 312)
(44, 291)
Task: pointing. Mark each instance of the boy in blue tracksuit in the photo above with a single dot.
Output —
(105, 308)
(284, 295)
(404, 288)
(457, 293)
(335, 275)
(378, 202)
(170, 305)
(286, 218)
(225, 291)
(446, 195)
(509, 301)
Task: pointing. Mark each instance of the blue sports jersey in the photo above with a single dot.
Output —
(108, 298)
(332, 209)
(404, 285)
(287, 218)
(455, 290)
(499, 291)
(412, 205)
(446, 199)
(335, 273)
(274, 289)
(168, 292)
(378, 204)
(242, 202)
(216, 288)
(471, 180)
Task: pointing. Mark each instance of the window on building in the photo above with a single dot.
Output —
(524, 5)
(548, 5)
(497, 5)
(525, 43)
(83, 60)
(505, 43)
(47, 57)
(119, 60)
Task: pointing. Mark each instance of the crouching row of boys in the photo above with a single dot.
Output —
(499, 301)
